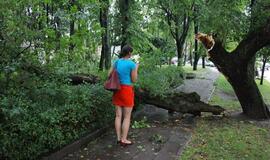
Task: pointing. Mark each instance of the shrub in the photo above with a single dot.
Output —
(159, 81)
(50, 116)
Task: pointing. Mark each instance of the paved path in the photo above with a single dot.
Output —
(202, 84)
(164, 140)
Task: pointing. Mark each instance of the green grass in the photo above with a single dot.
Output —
(229, 105)
(189, 69)
(229, 139)
(265, 90)
(222, 84)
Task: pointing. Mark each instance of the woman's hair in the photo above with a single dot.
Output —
(125, 51)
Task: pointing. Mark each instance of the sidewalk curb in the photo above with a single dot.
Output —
(70, 148)
(76, 145)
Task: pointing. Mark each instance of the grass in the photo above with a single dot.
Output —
(217, 138)
(228, 140)
(265, 90)
(222, 84)
(189, 69)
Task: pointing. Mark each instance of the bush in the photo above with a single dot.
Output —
(49, 116)
(159, 81)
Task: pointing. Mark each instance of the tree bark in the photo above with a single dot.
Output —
(190, 55)
(71, 26)
(181, 38)
(105, 51)
(179, 102)
(196, 54)
(263, 69)
(203, 61)
(124, 6)
(77, 79)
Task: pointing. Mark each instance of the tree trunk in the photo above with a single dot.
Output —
(179, 48)
(196, 54)
(179, 102)
(190, 55)
(124, 6)
(71, 26)
(180, 39)
(105, 52)
(203, 61)
(263, 69)
(185, 54)
(248, 93)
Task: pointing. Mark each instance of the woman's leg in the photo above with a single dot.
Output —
(117, 122)
(126, 123)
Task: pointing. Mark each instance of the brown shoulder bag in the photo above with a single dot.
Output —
(113, 82)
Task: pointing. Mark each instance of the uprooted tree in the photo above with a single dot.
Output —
(179, 102)
(238, 66)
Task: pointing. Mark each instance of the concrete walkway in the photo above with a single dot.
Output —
(166, 137)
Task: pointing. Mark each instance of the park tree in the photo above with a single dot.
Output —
(178, 16)
(238, 65)
(105, 58)
(125, 13)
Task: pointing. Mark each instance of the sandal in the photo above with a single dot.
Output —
(124, 144)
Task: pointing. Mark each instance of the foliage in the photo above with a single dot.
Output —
(224, 85)
(159, 81)
(50, 115)
(157, 138)
(140, 124)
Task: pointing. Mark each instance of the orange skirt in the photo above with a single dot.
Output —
(124, 97)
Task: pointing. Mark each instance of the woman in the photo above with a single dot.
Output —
(123, 99)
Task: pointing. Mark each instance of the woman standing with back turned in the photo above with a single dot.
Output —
(123, 99)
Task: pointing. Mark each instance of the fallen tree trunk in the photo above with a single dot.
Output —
(179, 102)
(77, 79)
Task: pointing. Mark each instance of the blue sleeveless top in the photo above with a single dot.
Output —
(124, 68)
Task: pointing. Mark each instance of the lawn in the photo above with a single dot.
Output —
(217, 138)
(189, 69)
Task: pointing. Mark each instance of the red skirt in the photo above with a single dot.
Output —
(124, 97)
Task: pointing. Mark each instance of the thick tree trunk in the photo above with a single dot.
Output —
(263, 69)
(179, 48)
(248, 94)
(179, 102)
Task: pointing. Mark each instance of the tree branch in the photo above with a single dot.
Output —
(254, 41)
(169, 17)
(21, 52)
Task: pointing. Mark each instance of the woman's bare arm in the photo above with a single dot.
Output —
(134, 74)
